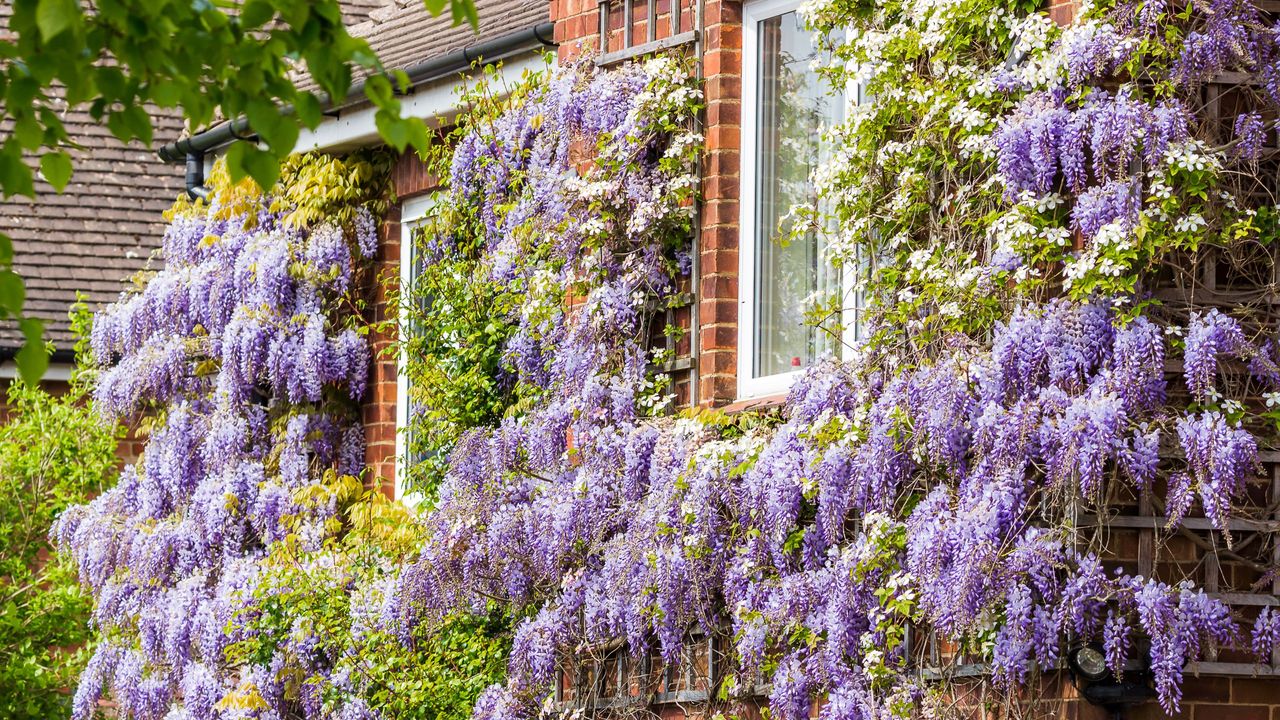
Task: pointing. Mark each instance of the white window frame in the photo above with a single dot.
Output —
(412, 212)
(755, 12)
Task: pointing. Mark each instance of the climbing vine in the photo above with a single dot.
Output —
(1015, 197)
(245, 364)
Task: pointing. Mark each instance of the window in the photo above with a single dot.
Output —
(412, 212)
(786, 105)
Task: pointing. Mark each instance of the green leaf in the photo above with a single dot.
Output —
(13, 294)
(33, 358)
(392, 129)
(280, 133)
(55, 16)
(166, 94)
(28, 132)
(15, 176)
(419, 138)
(256, 13)
(56, 168)
(6, 250)
(307, 107)
(245, 158)
(379, 91)
(138, 121)
(465, 10)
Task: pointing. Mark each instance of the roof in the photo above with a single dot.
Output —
(98, 232)
(403, 33)
(357, 11)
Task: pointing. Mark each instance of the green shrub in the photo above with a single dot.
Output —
(54, 452)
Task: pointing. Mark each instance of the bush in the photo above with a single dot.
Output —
(54, 452)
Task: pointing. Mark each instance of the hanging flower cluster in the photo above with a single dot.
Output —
(248, 374)
(681, 528)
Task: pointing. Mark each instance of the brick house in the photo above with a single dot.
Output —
(745, 346)
(91, 238)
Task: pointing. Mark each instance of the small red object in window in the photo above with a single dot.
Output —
(795, 362)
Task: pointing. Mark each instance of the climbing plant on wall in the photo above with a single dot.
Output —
(245, 362)
(1016, 192)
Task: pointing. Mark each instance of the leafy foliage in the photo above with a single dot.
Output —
(458, 318)
(54, 453)
(1013, 198)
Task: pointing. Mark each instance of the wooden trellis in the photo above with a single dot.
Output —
(608, 678)
(630, 30)
(1137, 537)
(680, 25)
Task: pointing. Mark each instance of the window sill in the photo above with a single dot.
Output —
(756, 404)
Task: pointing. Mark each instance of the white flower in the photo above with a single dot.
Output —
(1189, 223)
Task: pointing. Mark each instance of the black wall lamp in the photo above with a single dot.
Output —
(1101, 686)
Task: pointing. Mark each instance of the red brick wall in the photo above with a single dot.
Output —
(380, 398)
(718, 249)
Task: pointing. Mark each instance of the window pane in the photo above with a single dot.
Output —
(793, 107)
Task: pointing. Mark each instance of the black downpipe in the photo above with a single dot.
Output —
(540, 35)
(195, 176)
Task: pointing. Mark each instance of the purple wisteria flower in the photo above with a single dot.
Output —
(1220, 460)
(1250, 133)
(1209, 335)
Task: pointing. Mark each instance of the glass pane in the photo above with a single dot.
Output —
(794, 105)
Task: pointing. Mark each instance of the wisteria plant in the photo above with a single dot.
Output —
(243, 365)
(1019, 194)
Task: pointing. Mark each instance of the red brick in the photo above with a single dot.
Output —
(719, 337)
(720, 137)
(715, 239)
(720, 187)
(720, 287)
(1232, 712)
(1063, 11)
(720, 212)
(719, 261)
(1153, 711)
(722, 60)
(725, 113)
(1206, 689)
(724, 87)
(725, 35)
(1250, 690)
(718, 362)
(718, 389)
(721, 162)
(712, 311)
